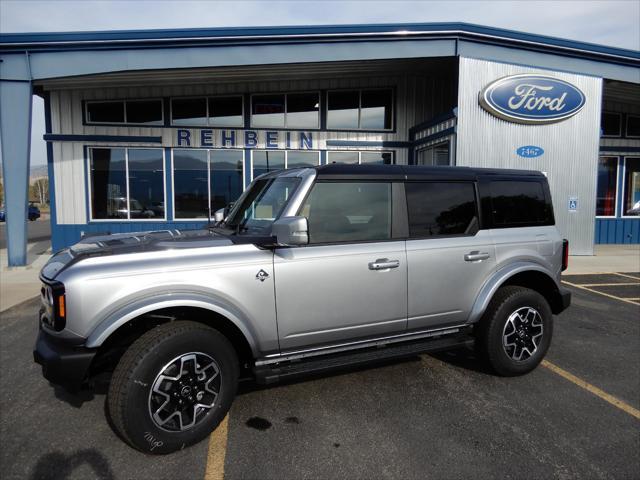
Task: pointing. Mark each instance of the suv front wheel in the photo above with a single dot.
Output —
(172, 387)
(515, 331)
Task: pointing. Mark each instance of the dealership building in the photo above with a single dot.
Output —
(157, 129)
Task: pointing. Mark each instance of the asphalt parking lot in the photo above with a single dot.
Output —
(443, 416)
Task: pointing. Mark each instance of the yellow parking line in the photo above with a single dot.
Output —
(217, 451)
(601, 293)
(624, 284)
(627, 275)
(625, 407)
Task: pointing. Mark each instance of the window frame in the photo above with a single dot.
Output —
(619, 115)
(286, 112)
(476, 198)
(617, 199)
(159, 124)
(399, 218)
(626, 125)
(286, 157)
(126, 149)
(206, 98)
(359, 152)
(623, 172)
(359, 128)
(173, 189)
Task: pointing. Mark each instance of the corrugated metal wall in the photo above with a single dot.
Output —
(570, 147)
(418, 98)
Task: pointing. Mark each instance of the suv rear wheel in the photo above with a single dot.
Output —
(515, 331)
(172, 387)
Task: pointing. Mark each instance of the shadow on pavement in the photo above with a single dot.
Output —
(57, 465)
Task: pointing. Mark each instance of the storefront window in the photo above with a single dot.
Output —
(189, 111)
(606, 193)
(291, 110)
(302, 110)
(190, 183)
(105, 112)
(126, 183)
(610, 124)
(382, 158)
(360, 109)
(267, 161)
(267, 111)
(300, 159)
(631, 205)
(225, 111)
(633, 126)
(144, 112)
(226, 177)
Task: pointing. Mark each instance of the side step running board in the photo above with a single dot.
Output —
(272, 373)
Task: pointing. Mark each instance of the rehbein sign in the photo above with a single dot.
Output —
(532, 99)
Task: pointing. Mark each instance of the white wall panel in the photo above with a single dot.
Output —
(570, 147)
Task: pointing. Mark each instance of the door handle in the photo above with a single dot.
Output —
(476, 256)
(384, 264)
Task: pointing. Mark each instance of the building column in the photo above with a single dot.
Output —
(15, 136)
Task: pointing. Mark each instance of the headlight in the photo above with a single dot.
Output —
(54, 312)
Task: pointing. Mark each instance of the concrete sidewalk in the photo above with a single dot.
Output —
(18, 284)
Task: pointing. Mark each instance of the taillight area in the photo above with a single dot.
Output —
(54, 302)
(565, 254)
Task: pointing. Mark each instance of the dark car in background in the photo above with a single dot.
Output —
(33, 213)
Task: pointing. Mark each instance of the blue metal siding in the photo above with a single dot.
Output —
(617, 230)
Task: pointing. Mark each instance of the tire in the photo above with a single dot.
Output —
(182, 351)
(515, 332)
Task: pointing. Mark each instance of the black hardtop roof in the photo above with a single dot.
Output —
(336, 171)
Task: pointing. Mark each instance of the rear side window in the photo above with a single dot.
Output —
(441, 208)
(519, 204)
(348, 212)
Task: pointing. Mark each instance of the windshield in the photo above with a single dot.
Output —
(262, 204)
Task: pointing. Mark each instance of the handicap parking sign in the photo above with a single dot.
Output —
(573, 204)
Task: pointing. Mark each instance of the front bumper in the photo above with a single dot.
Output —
(62, 364)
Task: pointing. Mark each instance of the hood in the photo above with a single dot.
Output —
(123, 243)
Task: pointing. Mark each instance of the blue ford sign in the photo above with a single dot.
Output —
(532, 99)
(529, 151)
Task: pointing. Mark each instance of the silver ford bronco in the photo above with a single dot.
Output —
(311, 269)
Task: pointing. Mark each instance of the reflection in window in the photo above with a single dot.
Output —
(360, 109)
(343, 157)
(375, 111)
(355, 157)
(144, 112)
(348, 211)
(606, 192)
(380, 158)
(302, 110)
(105, 112)
(441, 209)
(146, 183)
(109, 177)
(267, 161)
(301, 159)
(632, 186)
(226, 177)
(190, 183)
(343, 110)
(189, 111)
(267, 111)
(225, 111)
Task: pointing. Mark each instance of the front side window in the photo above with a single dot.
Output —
(441, 208)
(519, 204)
(606, 191)
(262, 205)
(348, 212)
(126, 183)
(632, 186)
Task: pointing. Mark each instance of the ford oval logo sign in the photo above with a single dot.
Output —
(529, 151)
(532, 99)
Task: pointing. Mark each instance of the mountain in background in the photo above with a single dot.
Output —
(37, 171)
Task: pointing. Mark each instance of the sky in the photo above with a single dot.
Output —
(608, 22)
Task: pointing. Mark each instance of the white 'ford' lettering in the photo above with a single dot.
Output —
(526, 95)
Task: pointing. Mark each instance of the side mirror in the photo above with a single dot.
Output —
(291, 231)
(218, 216)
